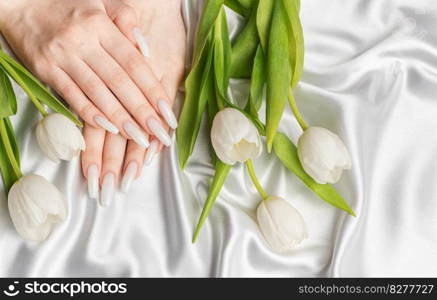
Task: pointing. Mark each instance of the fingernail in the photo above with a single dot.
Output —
(136, 134)
(93, 181)
(151, 152)
(167, 113)
(108, 188)
(129, 176)
(105, 124)
(141, 41)
(159, 131)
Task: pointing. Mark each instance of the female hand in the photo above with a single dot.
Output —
(107, 156)
(74, 47)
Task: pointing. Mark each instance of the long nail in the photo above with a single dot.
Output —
(93, 181)
(159, 131)
(167, 113)
(136, 134)
(129, 176)
(141, 41)
(151, 152)
(105, 124)
(108, 188)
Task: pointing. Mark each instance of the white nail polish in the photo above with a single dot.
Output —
(129, 176)
(93, 181)
(141, 41)
(105, 124)
(167, 113)
(159, 131)
(136, 134)
(108, 188)
(151, 152)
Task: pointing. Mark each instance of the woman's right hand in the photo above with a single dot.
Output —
(75, 48)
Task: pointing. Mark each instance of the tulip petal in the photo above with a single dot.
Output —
(35, 205)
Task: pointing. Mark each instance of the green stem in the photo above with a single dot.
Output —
(9, 151)
(295, 110)
(255, 180)
(23, 85)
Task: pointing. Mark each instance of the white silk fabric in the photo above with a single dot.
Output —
(370, 76)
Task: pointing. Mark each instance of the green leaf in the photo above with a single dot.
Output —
(212, 110)
(199, 87)
(278, 72)
(12, 139)
(34, 88)
(8, 102)
(257, 83)
(287, 153)
(222, 55)
(221, 173)
(238, 7)
(296, 41)
(244, 48)
(263, 21)
(210, 13)
(7, 171)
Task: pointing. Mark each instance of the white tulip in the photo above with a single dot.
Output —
(59, 137)
(234, 137)
(35, 205)
(323, 155)
(282, 224)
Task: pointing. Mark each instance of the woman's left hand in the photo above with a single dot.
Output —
(110, 160)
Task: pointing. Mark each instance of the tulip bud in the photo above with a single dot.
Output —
(323, 155)
(234, 137)
(59, 138)
(282, 224)
(35, 205)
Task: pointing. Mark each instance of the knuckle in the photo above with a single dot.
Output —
(66, 34)
(133, 64)
(126, 14)
(153, 89)
(118, 114)
(110, 161)
(92, 16)
(87, 112)
(40, 68)
(117, 78)
(144, 110)
(91, 84)
(65, 89)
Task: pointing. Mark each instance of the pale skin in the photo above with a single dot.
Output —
(85, 50)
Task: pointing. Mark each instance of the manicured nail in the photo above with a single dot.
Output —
(136, 134)
(159, 131)
(141, 41)
(129, 176)
(105, 124)
(167, 113)
(151, 152)
(93, 181)
(108, 188)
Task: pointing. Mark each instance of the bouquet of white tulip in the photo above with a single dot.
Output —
(269, 51)
(35, 204)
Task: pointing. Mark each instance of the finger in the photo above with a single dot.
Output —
(123, 16)
(154, 148)
(131, 60)
(112, 162)
(92, 157)
(119, 82)
(105, 100)
(68, 89)
(133, 162)
(171, 82)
